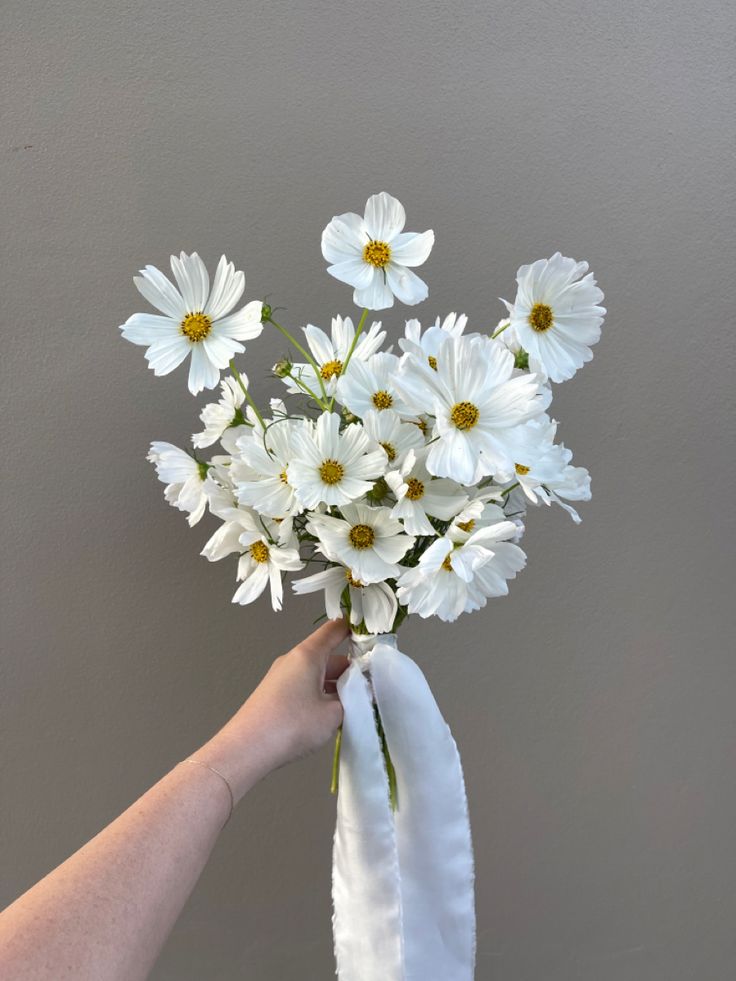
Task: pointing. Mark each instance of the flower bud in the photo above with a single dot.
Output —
(282, 369)
(266, 311)
(521, 359)
(378, 491)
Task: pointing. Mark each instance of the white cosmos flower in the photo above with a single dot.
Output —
(186, 479)
(453, 578)
(263, 558)
(196, 320)
(556, 314)
(261, 468)
(426, 344)
(373, 254)
(331, 353)
(366, 540)
(394, 436)
(419, 494)
(543, 469)
(372, 603)
(480, 513)
(476, 403)
(371, 384)
(331, 467)
(221, 415)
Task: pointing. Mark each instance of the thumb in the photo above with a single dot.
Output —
(322, 642)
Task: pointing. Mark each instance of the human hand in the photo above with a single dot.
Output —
(292, 712)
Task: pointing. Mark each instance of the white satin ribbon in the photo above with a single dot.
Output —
(402, 882)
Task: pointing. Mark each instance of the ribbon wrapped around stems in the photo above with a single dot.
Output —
(402, 883)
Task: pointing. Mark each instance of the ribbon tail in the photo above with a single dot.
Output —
(366, 893)
(432, 826)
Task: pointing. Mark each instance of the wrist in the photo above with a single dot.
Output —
(242, 752)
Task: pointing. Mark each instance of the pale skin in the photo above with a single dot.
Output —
(105, 913)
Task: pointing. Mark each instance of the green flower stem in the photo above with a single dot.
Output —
(305, 353)
(305, 388)
(251, 403)
(336, 762)
(358, 332)
(393, 794)
(509, 489)
(500, 331)
(390, 771)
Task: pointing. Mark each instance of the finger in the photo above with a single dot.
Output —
(319, 645)
(336, 664)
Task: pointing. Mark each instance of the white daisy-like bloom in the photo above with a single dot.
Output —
(543, 469)
(373, 254)
(185, 479)
(331, 467)
(479, 513)
(426, 344)
(371, 603)
(331, 353)
(196, 320)
(260, 469)
(395, 437)
(557, 314)
(366, 540)
(457, 577)
(371, 384)
(476, 402)
(263, 557)
(219, 487)
(221, 415)
(419, 494)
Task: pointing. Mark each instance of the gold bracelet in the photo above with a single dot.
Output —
(222, 777)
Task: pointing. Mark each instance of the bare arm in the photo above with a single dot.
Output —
(105, 913)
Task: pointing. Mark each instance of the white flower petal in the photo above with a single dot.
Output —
(384, 217)
(227, 290)
(344, 238)
(412, 248)
(406, 285)
(377, 295)
(202, 373)
(164, 356)
(147, 328)
(354, 272)
(192, 279)
(243, 325)
(160, 292)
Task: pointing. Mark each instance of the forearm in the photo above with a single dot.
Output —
(105, 913)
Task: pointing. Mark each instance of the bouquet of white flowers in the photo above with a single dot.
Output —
(403, 475)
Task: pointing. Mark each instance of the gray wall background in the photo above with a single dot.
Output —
(595, 706)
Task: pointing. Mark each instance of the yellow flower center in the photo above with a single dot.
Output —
(361, 537)
(196, 326)
(541, 317)
(466, 525)
(446, 563)
(377, 254)
(330, 368)
(331, 472)
(421, 426)
(432, 361)
(414, 489)
(259, 551)
(382, 400)
(356, 583)
(464, 415)
(283, 477)
(521, 469)
(390, 451)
